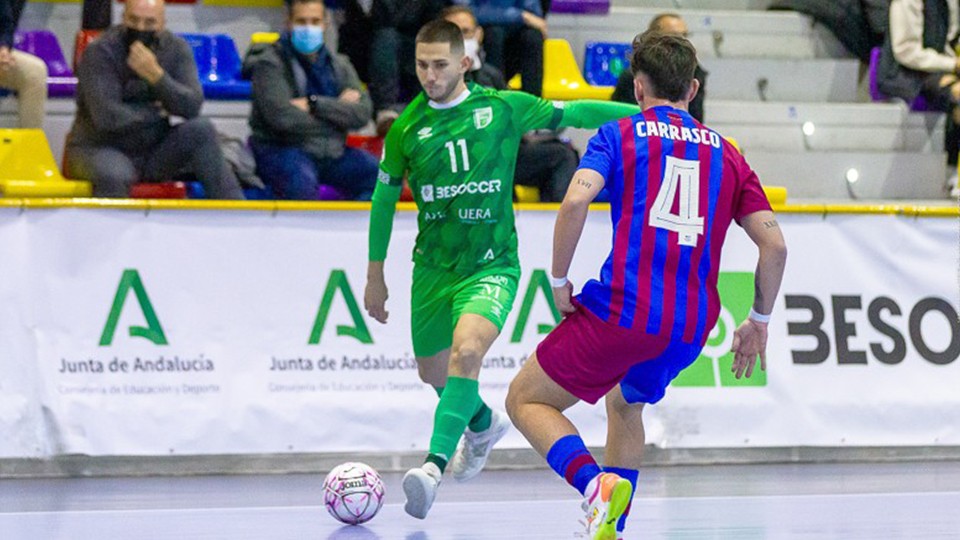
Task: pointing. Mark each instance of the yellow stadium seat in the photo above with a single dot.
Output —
(527, 194)
(264, 37)
(27, 167)
(735, 144)
(562, 78)
(776, 194)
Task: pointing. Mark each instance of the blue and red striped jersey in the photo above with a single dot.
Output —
(675, 186)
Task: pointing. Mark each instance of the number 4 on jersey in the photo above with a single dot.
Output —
(687, 222)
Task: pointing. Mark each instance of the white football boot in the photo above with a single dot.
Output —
(474, 448)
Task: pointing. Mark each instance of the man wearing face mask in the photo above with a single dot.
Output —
(305, 100)
(132, 80)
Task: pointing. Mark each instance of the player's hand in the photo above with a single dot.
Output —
(375, 300)
(144, 63)
(7, 60)
(350, 95)
(301, 103)
(749, 340)
(563, 298)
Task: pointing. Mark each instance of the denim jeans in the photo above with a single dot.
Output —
(294, 174)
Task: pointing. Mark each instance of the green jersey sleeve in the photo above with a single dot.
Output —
(382, 208)
(393, 163)
(531, 112)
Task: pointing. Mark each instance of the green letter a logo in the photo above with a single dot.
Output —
(538, 282)
(131, 280)
(359, 331)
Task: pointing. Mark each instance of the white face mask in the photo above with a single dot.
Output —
(471, 48)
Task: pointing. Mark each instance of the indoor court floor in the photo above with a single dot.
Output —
(823, 501)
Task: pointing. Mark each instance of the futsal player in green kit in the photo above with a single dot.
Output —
(457, 144)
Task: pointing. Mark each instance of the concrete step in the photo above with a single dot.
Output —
(765, 79)
(881, 175)
(727, 34)
(678, 5)
(827, 127)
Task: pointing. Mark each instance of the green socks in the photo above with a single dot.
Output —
(481, 419)
(459, 402)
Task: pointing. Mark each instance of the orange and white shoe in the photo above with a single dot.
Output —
(607, 497)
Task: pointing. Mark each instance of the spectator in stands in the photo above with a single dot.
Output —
(305, 100)
(378, 36)
(513, 41)
(668, 23)
(919, 58)
(132, 80)
(21, 72)
(543, 161)
(858, 24)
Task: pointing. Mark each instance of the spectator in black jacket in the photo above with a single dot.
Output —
(669, 23)
(21, 72)
(305, 100)
(132, 80)
(379, 36)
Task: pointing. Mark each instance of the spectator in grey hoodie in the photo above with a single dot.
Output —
(305, 100)
(132, 80)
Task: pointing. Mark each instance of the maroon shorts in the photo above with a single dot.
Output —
(588, 357)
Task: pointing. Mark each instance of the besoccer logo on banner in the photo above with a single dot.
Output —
(713, 366)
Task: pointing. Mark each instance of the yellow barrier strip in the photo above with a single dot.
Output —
(915, 210)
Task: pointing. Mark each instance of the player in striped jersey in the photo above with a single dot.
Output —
(675, 186)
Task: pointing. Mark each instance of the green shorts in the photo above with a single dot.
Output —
(439, 297)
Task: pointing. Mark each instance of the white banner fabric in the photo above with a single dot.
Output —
(201, 332)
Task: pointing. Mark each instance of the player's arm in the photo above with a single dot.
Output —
(531, 112)
(383, 206)
(584, 187)
(750, 339)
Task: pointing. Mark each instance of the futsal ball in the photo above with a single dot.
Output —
(353, 493)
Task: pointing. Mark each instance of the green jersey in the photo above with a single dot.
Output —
(459, 159)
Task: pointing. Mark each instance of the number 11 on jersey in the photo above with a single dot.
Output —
(451, 148)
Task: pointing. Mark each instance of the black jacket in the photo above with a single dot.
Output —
(898, 81)
(273, 119)
(858, 24)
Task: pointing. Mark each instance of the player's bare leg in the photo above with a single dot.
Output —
(625, 442)
(459, 402)
(536, 404)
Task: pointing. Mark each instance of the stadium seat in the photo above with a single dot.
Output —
(27, 167)
(581, 7)
(526, 194)
(603, 62)
(264, 38)
(919, 104)
(159, 190)
(562, 79)
(776, 194)
(370, 143)
(218, 64)
(84, 38)
(43, 44)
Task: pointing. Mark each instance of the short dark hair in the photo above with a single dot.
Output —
(442, 31)
(292, 3)
(669, 61)
(457, 9)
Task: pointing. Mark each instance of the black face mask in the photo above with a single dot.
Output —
(147, 37)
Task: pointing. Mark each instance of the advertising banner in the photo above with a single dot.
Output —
(201, 332)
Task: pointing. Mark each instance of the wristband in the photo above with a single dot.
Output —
(556, 282)
(758, 317)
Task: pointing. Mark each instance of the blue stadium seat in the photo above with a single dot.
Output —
(218, 64)
(603, 62)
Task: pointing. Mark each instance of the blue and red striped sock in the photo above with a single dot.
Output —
(632, 475)
(570, 458)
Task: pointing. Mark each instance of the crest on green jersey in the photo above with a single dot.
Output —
(482, 117)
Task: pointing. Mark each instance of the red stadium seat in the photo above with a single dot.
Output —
(84, 37)
(370, 143)
(159, 190)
